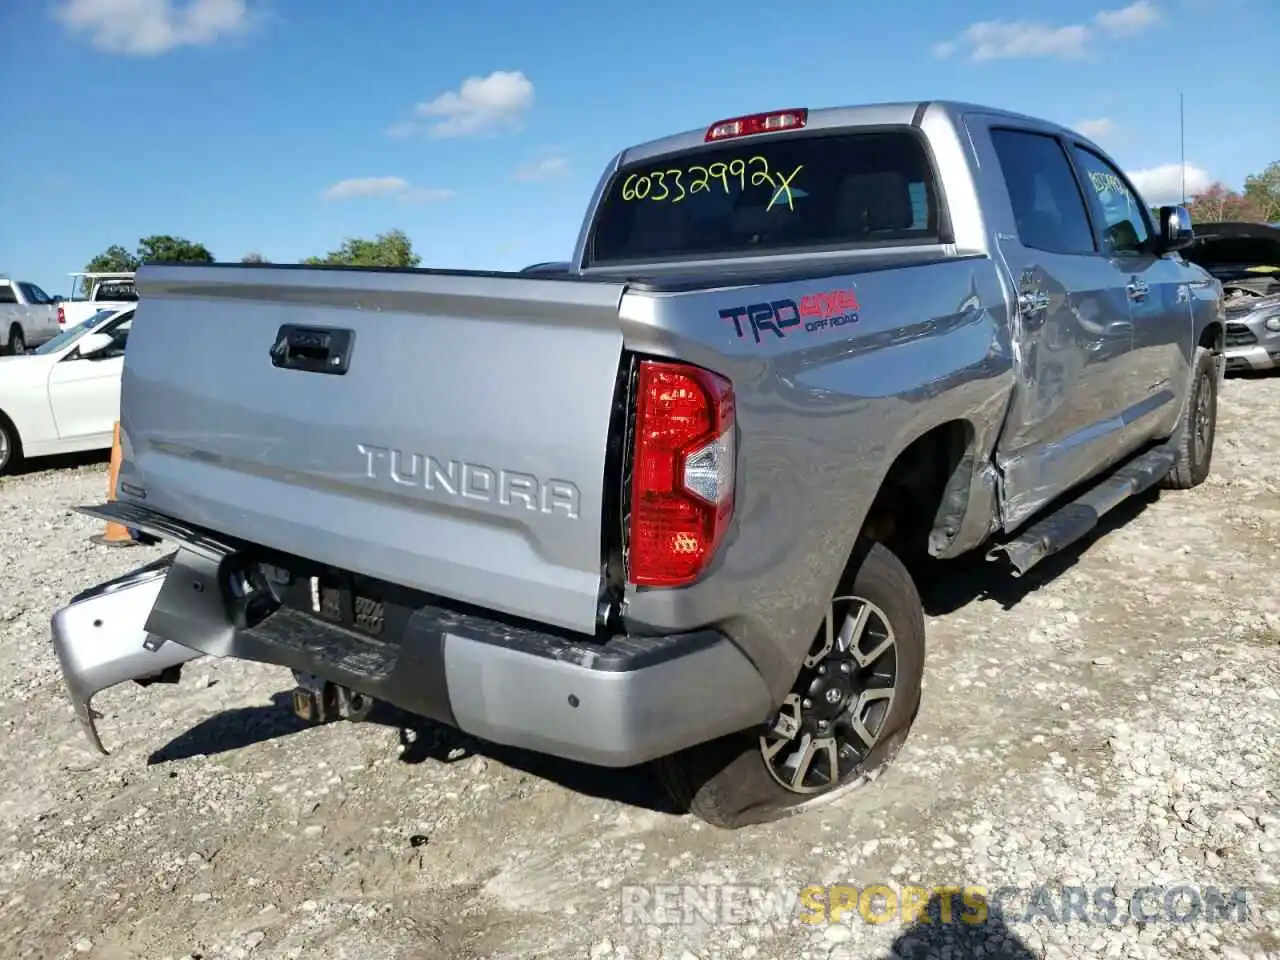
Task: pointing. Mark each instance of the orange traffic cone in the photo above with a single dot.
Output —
(115, 534)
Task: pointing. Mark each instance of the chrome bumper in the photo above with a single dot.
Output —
(101, 641)
(1256, 357)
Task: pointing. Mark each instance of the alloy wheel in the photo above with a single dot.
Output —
(1204, 419)
(835, 715)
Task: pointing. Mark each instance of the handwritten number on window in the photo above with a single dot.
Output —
(738, 174)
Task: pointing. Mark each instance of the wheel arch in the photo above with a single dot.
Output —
(7, 423)
(1212, 336)
(925, 495)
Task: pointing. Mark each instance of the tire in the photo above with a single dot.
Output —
(1192, 441)
(10, 447)
(17, 343)
(728, 782)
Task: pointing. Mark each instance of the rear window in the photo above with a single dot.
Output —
(116, 290)
(33, 293)
(767, 195)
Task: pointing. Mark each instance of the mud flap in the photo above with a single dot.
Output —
(101, 640)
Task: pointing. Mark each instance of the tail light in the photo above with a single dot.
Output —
(62, 317)
(758, 123)
(682, 472)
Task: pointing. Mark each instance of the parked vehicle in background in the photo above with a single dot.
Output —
(28, 317)
(107, 290)
(1245, 258)
(664, 507)
(64, 397)
(549, 266)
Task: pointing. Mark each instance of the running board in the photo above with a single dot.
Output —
(1069, 523)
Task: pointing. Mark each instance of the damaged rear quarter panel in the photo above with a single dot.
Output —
(823, 409)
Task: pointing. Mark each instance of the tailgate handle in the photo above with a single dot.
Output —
(312, 349)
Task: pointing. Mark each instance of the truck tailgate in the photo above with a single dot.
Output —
(461, 451)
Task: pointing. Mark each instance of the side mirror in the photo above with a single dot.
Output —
(1176, 231)
(92, 344)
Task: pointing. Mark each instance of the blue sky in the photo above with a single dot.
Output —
(480, 128)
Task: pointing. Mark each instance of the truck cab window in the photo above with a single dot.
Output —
(1047, 206)
(122, 291)
(1116, 206)
(802, 191)
(34, 294)
(7, 295)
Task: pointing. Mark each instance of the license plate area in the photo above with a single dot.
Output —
(344, 600)
(357, 603)
(369, 615)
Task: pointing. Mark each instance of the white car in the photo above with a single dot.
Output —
(65, 396)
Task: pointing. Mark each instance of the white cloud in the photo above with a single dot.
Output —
(150, 27)
(1128, 20)
(1163, 184)
(480, 105)
(396, 187)
(366, 187)
(1096, 129)
(1019, 39)
(1001, 40)
(402, 129)
(544, 169)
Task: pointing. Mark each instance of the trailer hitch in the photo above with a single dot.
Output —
(317, 700)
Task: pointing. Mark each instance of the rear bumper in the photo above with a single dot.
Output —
(613, 704)
(101, 640)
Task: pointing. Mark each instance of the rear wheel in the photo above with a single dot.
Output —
(844, 720)
(1197, 428)
(17, 343)
(10, 447)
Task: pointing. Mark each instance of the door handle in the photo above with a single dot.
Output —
(1032, 305)
(312, 349)
(1033, 302)
(1137, 289)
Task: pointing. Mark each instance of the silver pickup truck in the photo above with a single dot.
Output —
(27, 317)
(662, 505)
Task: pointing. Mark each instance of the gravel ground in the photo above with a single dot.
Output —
(1112, 725)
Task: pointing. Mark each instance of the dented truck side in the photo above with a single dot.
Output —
(660, 506)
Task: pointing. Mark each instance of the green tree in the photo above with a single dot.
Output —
(162, 248)
(390, 249)
(159, 247)
(1262, 190)
(254, 258)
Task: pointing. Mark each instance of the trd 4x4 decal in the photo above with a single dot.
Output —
(814, 312)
